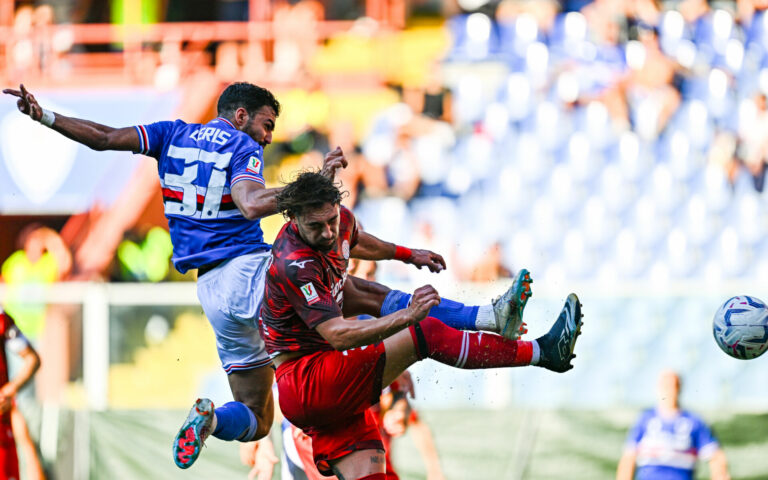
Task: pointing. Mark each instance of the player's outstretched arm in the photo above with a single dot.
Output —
(372, 248)
(344, 334)
(91, 134)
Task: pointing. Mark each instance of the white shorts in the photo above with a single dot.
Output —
(231, 297)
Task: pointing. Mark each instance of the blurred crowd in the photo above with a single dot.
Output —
(587, 140)
(623, 139)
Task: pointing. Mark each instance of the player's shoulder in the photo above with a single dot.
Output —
(346, 215)
(693, 417)
(647, 415)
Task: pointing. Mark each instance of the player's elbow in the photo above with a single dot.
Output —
(34, 361)
(252, 213)
(340, 344)
(341, 340)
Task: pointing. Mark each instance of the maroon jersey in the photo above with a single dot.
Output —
(304, 288)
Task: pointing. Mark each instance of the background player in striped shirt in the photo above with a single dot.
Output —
(667, 441)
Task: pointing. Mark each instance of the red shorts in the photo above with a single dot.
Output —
(9, 461)
(327, 395)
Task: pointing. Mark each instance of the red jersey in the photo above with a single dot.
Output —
(304, 288)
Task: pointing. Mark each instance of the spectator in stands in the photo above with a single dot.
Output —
(667, 441)
(649, 90)
(753, 134)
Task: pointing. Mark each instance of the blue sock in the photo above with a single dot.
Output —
(454, 314)
(235, 421)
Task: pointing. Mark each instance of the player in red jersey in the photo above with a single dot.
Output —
(17, 343)
(330, 370)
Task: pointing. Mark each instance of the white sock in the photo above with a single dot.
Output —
(486, 320)
(536, 352)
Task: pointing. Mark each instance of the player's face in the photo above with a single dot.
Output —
(260, 126)
(319, 227)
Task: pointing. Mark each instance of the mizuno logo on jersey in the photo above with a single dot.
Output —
(254, 165)
(308, 289)
(298, 264)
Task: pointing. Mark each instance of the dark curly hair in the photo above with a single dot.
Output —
(309, 190)
(250, 97)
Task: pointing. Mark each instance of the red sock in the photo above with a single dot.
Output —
(468, 350)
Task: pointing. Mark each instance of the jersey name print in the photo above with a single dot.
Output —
(198, 165)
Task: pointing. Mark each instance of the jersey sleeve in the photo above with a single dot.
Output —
(248, 165)
(15, 341)
(355, 232)
(308, 294)
(704, 440)
(153, 137)
(636, 433)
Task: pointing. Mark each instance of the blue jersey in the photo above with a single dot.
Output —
(198, 164)
(667, 447)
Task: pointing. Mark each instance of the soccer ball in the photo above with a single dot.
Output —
(740, 327)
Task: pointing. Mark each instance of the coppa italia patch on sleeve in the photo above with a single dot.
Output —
(310, 293)
(254, 164)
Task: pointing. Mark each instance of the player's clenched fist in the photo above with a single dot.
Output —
(26, 103)
(333, 161)
(423, 299)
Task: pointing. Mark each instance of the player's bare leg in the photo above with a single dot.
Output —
(363, 297)
(361, 464)
(254, 388)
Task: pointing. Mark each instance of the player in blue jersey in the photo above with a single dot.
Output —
(214, 194)
(666, 441)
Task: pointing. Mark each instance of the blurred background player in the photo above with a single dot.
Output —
(666, 441)
(17, 343)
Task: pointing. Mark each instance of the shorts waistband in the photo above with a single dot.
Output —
(203, 269)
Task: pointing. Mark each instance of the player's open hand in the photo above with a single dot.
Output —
(334, 161)
(424, 258)
(423, 299)
(264, 461)
(26, 102)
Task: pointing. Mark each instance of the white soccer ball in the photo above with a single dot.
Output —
(740, 327)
